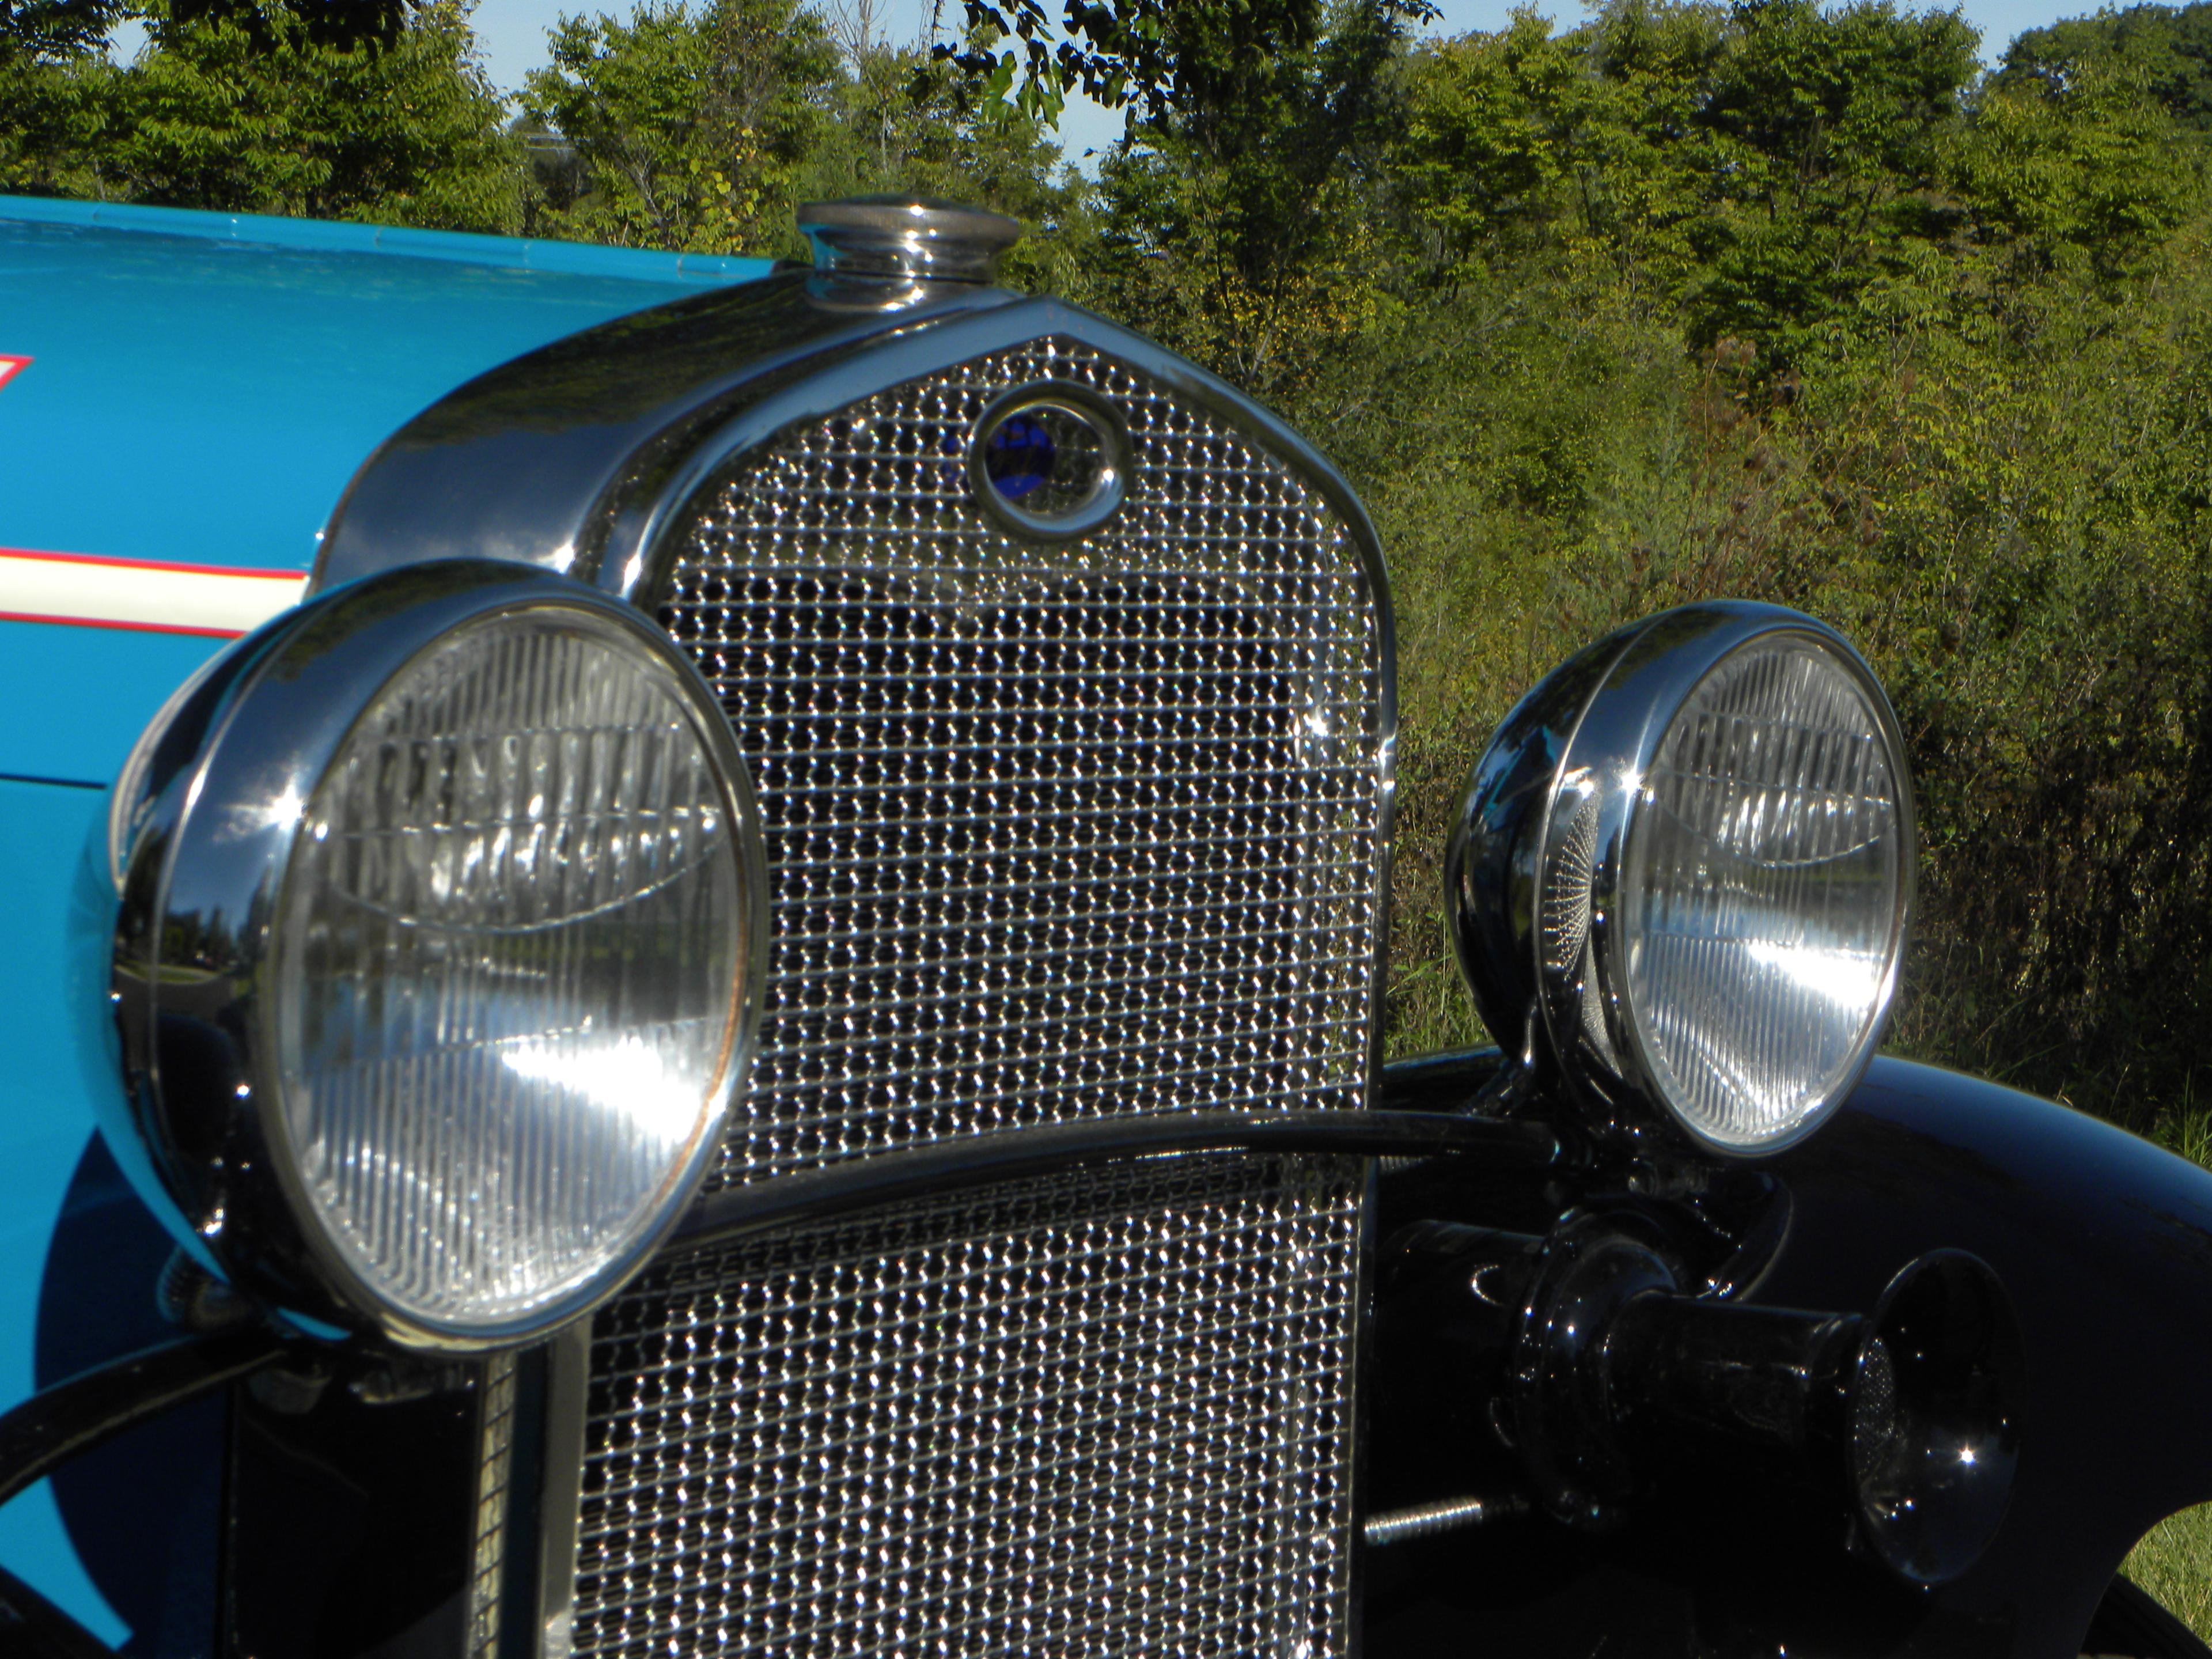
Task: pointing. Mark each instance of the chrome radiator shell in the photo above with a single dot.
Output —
(1054, 830)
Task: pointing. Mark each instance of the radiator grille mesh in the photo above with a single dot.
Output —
(1100, 1416)
(1053, 831)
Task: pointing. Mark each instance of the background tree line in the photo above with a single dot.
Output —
(1695, 299)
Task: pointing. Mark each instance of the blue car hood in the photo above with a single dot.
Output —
(195, 390)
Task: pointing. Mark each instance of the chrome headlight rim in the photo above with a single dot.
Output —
(222, 801)
(1594, 728)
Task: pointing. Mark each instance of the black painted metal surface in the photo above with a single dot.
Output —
(2104, 1244)
(63, 1422)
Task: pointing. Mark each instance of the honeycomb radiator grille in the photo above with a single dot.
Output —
(1105, 1415)
(1053, 831)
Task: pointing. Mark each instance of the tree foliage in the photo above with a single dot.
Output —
(265, 115)
(271, 113)
(1181, 60)
(703, 130)
(51, 30)
(689, 128)
(1763, 298)
(2164, 52)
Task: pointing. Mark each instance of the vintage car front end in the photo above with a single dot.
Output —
(755, 1030)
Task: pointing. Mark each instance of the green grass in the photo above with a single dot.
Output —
(2173, 1562)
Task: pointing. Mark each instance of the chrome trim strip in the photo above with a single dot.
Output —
(567, 1391)
(497, 1391)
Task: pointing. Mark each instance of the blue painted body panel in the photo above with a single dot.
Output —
(46, 1123)
(202, 389)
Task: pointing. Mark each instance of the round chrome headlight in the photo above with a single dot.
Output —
(439, 942)
(1687, 857)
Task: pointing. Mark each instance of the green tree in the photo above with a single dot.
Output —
(55, 93)
(1828, 130)
(2095, 177)
(1760, 164)
(56, 119)
(703, 130)
(1190, 59)
(2165, 51)
(1241, 222)
(1492, 145)
(51, 30)
(908, 121)
(691, 129)
(262, 116)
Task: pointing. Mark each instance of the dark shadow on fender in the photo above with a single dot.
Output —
(143, 1511)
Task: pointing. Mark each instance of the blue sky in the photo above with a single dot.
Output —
(513, 35)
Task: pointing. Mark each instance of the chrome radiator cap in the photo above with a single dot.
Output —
(907, 239)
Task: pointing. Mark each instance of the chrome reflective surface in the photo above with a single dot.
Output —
(1053, 831)
(1050, 460)
(1103, 1414)
(2105, 1245)
(906, 240)
(1936, 1405)
(1067, 830)
(546, 460)
(1535, 869)
(488, 1566)
(1056, 830)
(196, 984)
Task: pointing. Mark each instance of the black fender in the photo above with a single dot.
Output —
(2104, 1244)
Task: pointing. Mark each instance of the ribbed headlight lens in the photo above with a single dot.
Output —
(1688, 857)
(1760, 893)
(509, 966)
(439, 958)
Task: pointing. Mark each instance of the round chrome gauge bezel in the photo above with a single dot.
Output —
(1109, 490)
